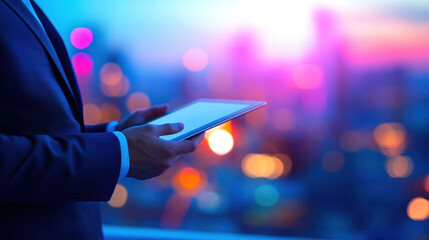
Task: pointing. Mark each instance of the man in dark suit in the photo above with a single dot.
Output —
(54, 170)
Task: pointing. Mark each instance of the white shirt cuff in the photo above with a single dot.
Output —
(111, 126)
(125, 158)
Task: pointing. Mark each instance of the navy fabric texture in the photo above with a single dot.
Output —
(54, 170)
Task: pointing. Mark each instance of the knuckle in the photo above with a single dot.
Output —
(170, 127)
(169, 152)
(165, 151)
(149, 128)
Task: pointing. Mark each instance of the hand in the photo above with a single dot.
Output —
(141, 116)
(150, 155)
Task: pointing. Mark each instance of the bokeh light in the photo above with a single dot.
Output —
(225, 126)
(399, 166)
(208, 201)
(137, 101)
(119, 89)
(284, 119)
(195, 59)
(81, 37)
(111, 74)
(189, 178)
(333, 161)
(266, 195)
(418, 209)
(263, 166)
(110, 112)
(189, 181)
(119, 197)
(426, 183)
(221, 142)
(91, 114)
(391, 138)
(82, 63)
(308, 76)
(312, 62)
(283, 167)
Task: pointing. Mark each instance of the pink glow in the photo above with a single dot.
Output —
(195, 59)
(308, 76)
(82, 63)
(378, 42)
(314, 102)
(81, 37)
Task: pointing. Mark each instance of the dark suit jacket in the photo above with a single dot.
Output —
(53, 169)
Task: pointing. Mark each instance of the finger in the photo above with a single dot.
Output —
(152, 112)
(190, 145)
(167, 129)
(183, 147)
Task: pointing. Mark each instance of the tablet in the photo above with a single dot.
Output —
(202, 114)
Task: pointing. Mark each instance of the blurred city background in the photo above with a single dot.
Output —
(341, 149)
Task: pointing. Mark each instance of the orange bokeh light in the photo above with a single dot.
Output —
(189, 181)
(426, 183)
(118, 89)
(110, 112)
(137, 101)
(91, 113)
(418, 209)
(399, 166)
(286, 162)
(189, 178)
(119, 196)
(264, 166)
(111, 74)
(390, 137)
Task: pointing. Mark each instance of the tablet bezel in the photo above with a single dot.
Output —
(252, 105)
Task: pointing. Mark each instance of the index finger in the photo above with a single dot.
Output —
(187, 146)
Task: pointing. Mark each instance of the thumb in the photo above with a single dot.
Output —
(168, 129)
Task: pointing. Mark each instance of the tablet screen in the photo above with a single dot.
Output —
(197, 115)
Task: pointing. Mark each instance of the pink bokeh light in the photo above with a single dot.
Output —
(81, 37)
(195, 59)
(82, 63)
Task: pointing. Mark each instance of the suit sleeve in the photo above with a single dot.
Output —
(40, 168)
(96, 128)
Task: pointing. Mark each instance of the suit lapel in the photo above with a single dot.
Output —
(61, 52)
(74, 96)
(21, 10)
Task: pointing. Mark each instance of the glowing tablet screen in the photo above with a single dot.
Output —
(201, 115)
